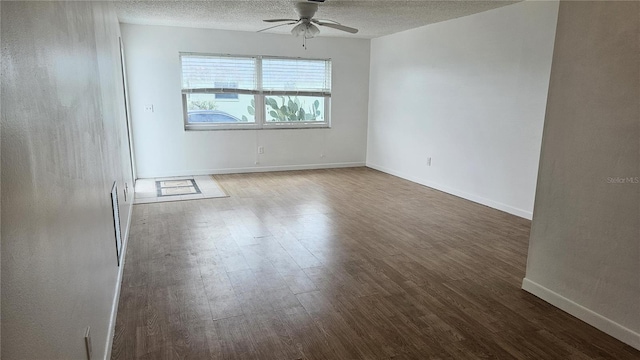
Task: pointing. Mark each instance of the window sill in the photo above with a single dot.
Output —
(280, 126)
(294, 125)
(209, 127)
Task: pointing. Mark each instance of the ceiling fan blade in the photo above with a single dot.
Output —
(337, 26)
(279, 20)
(275, 26)
(324, 20)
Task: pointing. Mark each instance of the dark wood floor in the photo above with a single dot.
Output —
(337, 264)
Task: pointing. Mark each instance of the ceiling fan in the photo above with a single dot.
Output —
(305, 25)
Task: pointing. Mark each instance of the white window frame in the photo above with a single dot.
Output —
(259, 99)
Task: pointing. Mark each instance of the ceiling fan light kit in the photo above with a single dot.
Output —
(307, 30)
(305, 25)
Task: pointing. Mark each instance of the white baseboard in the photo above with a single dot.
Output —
(116, 296)
(592, 318)
(252, 169)
(475, 198)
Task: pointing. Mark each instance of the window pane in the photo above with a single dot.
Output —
(227, 85)
(294, 108)
(296, 75)
(206, 108)
(208, 72)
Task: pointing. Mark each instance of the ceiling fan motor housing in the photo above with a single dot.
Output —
(306, 10)
(305, 25)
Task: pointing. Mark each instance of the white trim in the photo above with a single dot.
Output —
(221, 126)
(116, 296)
(475, 198)
(592, 318)
(254, 169)
(296, 125)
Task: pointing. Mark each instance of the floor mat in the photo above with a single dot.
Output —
(179, 188)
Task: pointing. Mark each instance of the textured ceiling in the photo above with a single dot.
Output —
(373, 18)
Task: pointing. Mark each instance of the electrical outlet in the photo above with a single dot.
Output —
(260, 149)
(148, 108)
(429, 161)
(87, 342)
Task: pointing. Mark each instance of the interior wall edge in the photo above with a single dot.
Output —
(583, 247)
(0, 196)
(60, 160)
(467, 196)
(589, 316)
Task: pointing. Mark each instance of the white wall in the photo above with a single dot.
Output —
(162, 146)
(471, 94)
(64, 143)
(584, 251)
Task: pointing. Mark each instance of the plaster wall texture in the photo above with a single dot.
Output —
(470, 94)
(64, 143)
(164, 148)
(584, 251)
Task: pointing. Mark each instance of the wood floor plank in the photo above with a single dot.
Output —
(337, 264)
(235, 336)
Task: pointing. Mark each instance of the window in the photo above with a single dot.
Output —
(240, 92)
